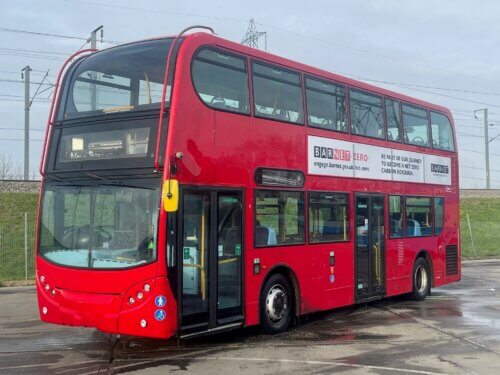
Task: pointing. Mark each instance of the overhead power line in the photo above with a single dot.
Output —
(30, 32)
(15, 129)
(41, 34)
(20, 81)
(312, 37)
(38, 100)
(20, 139)
(42, 73)
(373, 53)
(34, 51)
(477, 178)
(425, 91)
(33, 56)
(432, 87)
(168, 12)
(478, 168)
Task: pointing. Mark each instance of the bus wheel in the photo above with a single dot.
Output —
(421, 280)
(276, 304)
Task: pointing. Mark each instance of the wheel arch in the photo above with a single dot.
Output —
(291, 276)
(423, 253)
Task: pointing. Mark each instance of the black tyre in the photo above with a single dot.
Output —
(421, 280)
(276, 304)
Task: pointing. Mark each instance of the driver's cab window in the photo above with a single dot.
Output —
(221, 81)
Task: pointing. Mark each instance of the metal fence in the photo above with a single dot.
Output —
(480, 235)
(17, 239)
(480, 238)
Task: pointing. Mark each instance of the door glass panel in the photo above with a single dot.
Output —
(195, 248)
(362, 244)
(229, 249)
(377, 242)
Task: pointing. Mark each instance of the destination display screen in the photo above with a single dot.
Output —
(110, 144)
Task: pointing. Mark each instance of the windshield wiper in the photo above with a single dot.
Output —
(60, 179)
(114, 182)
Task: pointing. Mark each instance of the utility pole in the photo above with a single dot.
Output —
(93, 37)
(252, 36)
(486, 144)
(27, 104)
(93, 45)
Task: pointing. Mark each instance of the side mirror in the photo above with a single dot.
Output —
(170, 195)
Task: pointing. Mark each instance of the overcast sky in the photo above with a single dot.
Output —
(448, 50)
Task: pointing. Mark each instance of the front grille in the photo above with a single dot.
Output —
(451, 260)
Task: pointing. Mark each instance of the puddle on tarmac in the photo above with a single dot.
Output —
(335, 336)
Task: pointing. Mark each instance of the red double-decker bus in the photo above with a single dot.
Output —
(193, 185)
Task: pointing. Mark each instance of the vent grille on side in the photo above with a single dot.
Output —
(451, 260)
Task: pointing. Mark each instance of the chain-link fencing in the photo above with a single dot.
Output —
(17, 240)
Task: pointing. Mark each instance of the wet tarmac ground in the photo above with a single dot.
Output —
(455, 331)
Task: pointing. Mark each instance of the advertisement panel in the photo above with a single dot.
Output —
(333, 157)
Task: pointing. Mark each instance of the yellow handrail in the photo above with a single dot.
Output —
(230, 260)
(203, 276)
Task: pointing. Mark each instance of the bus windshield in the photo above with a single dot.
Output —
(120, 79)
(100, 226)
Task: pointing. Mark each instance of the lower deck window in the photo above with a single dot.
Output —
(438, 215)
(418, 216)
(279, 218)
(328, 217)
(395, 216)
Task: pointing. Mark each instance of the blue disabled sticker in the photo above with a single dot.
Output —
(160, 301)
(160, 315)
(332, 279)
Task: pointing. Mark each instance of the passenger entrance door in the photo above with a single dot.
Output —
(370, 247)
(211, 248)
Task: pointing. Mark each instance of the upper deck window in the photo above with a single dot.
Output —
(123, 78)
(221, 80)
(326, 106)
(393, 120)
(277, 94)
(367, 115)
(415, 124)
(442, 135)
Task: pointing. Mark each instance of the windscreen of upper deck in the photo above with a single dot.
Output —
(123, 78)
